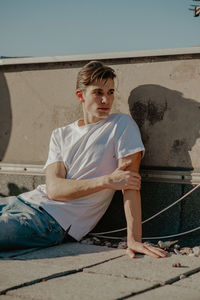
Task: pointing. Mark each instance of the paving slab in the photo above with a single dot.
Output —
(7, 297)
(82, 286)
(48, 261)
(192, 282)
(168, 292)
(148, 268)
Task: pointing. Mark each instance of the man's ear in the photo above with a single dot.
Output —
(79, 95)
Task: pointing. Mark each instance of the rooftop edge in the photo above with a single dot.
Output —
(99, 56)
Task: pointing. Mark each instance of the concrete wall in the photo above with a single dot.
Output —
(159, 89)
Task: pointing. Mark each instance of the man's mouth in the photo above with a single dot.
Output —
(104, 108)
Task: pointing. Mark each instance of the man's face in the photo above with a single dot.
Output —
(97, 100)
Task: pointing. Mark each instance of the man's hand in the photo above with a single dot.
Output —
(122, 179)
(144, 248)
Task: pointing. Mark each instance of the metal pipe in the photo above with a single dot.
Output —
(150, 175)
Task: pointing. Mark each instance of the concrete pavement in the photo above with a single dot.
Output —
(79, 271)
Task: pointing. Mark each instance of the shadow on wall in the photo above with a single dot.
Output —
(169, 124)
(5, 116)
(14, 190)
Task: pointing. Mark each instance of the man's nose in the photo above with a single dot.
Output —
(104, 100)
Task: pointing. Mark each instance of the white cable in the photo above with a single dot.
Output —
(170, 236)
(157, 214)
(184, 196)
(151, 238)
(109, 237)
(112, 231)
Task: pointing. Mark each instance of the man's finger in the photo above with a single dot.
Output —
(130, 252)
(154, 252)
(158, 251)
(145, 251)
(150, 253)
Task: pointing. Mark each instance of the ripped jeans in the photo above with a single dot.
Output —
(25, 225)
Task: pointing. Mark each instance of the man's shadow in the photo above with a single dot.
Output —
(14, 190)
(170, 129)
(169, 125)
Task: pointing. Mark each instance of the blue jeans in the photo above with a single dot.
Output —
(24, 225)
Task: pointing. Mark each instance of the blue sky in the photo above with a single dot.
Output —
(62, 27)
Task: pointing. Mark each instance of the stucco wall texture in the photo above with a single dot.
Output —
(162, 94)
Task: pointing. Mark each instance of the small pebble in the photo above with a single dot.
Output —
(176, 265)
(176, 246)
(108, 244)
(96, 241)
(87, 242)
(150, 244)
(177, 251)
(124, 276)
(182, 276)
(166, 245)
(196, 251)
(122, 245)
(191, 254)
(186, 250)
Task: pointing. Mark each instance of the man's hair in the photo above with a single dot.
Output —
(92, 72)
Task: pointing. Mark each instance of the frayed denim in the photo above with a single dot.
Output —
(25, 225)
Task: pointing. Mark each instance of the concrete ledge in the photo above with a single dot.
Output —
(101, 56)
(21, 169)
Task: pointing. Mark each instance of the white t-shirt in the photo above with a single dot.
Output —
(87, 152)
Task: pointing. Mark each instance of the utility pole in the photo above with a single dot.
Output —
(195, 8)
(197, 11)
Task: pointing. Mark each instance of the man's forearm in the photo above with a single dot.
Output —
(61, 189)
(69, 189)
(132, 208)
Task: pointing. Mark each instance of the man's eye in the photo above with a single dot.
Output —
(98, 93)
(111, 92)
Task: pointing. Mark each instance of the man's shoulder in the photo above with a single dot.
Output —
(63, 129)
(122, 118)
(124, 122)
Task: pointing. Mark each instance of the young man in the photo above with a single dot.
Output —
(88, 161)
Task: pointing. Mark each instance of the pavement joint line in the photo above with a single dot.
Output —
(56, 275)
(115, 275)
(161, 284)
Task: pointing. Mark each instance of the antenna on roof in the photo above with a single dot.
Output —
(197, 11)
(195, 8)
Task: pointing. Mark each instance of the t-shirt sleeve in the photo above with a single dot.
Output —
(55, 153)
(128, 138)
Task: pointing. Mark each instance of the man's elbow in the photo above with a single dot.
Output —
(51, 192)
(54, 193)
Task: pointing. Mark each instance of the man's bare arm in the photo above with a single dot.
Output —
(132, 208)
(61, 189)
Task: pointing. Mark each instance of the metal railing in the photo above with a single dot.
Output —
(150, 175)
